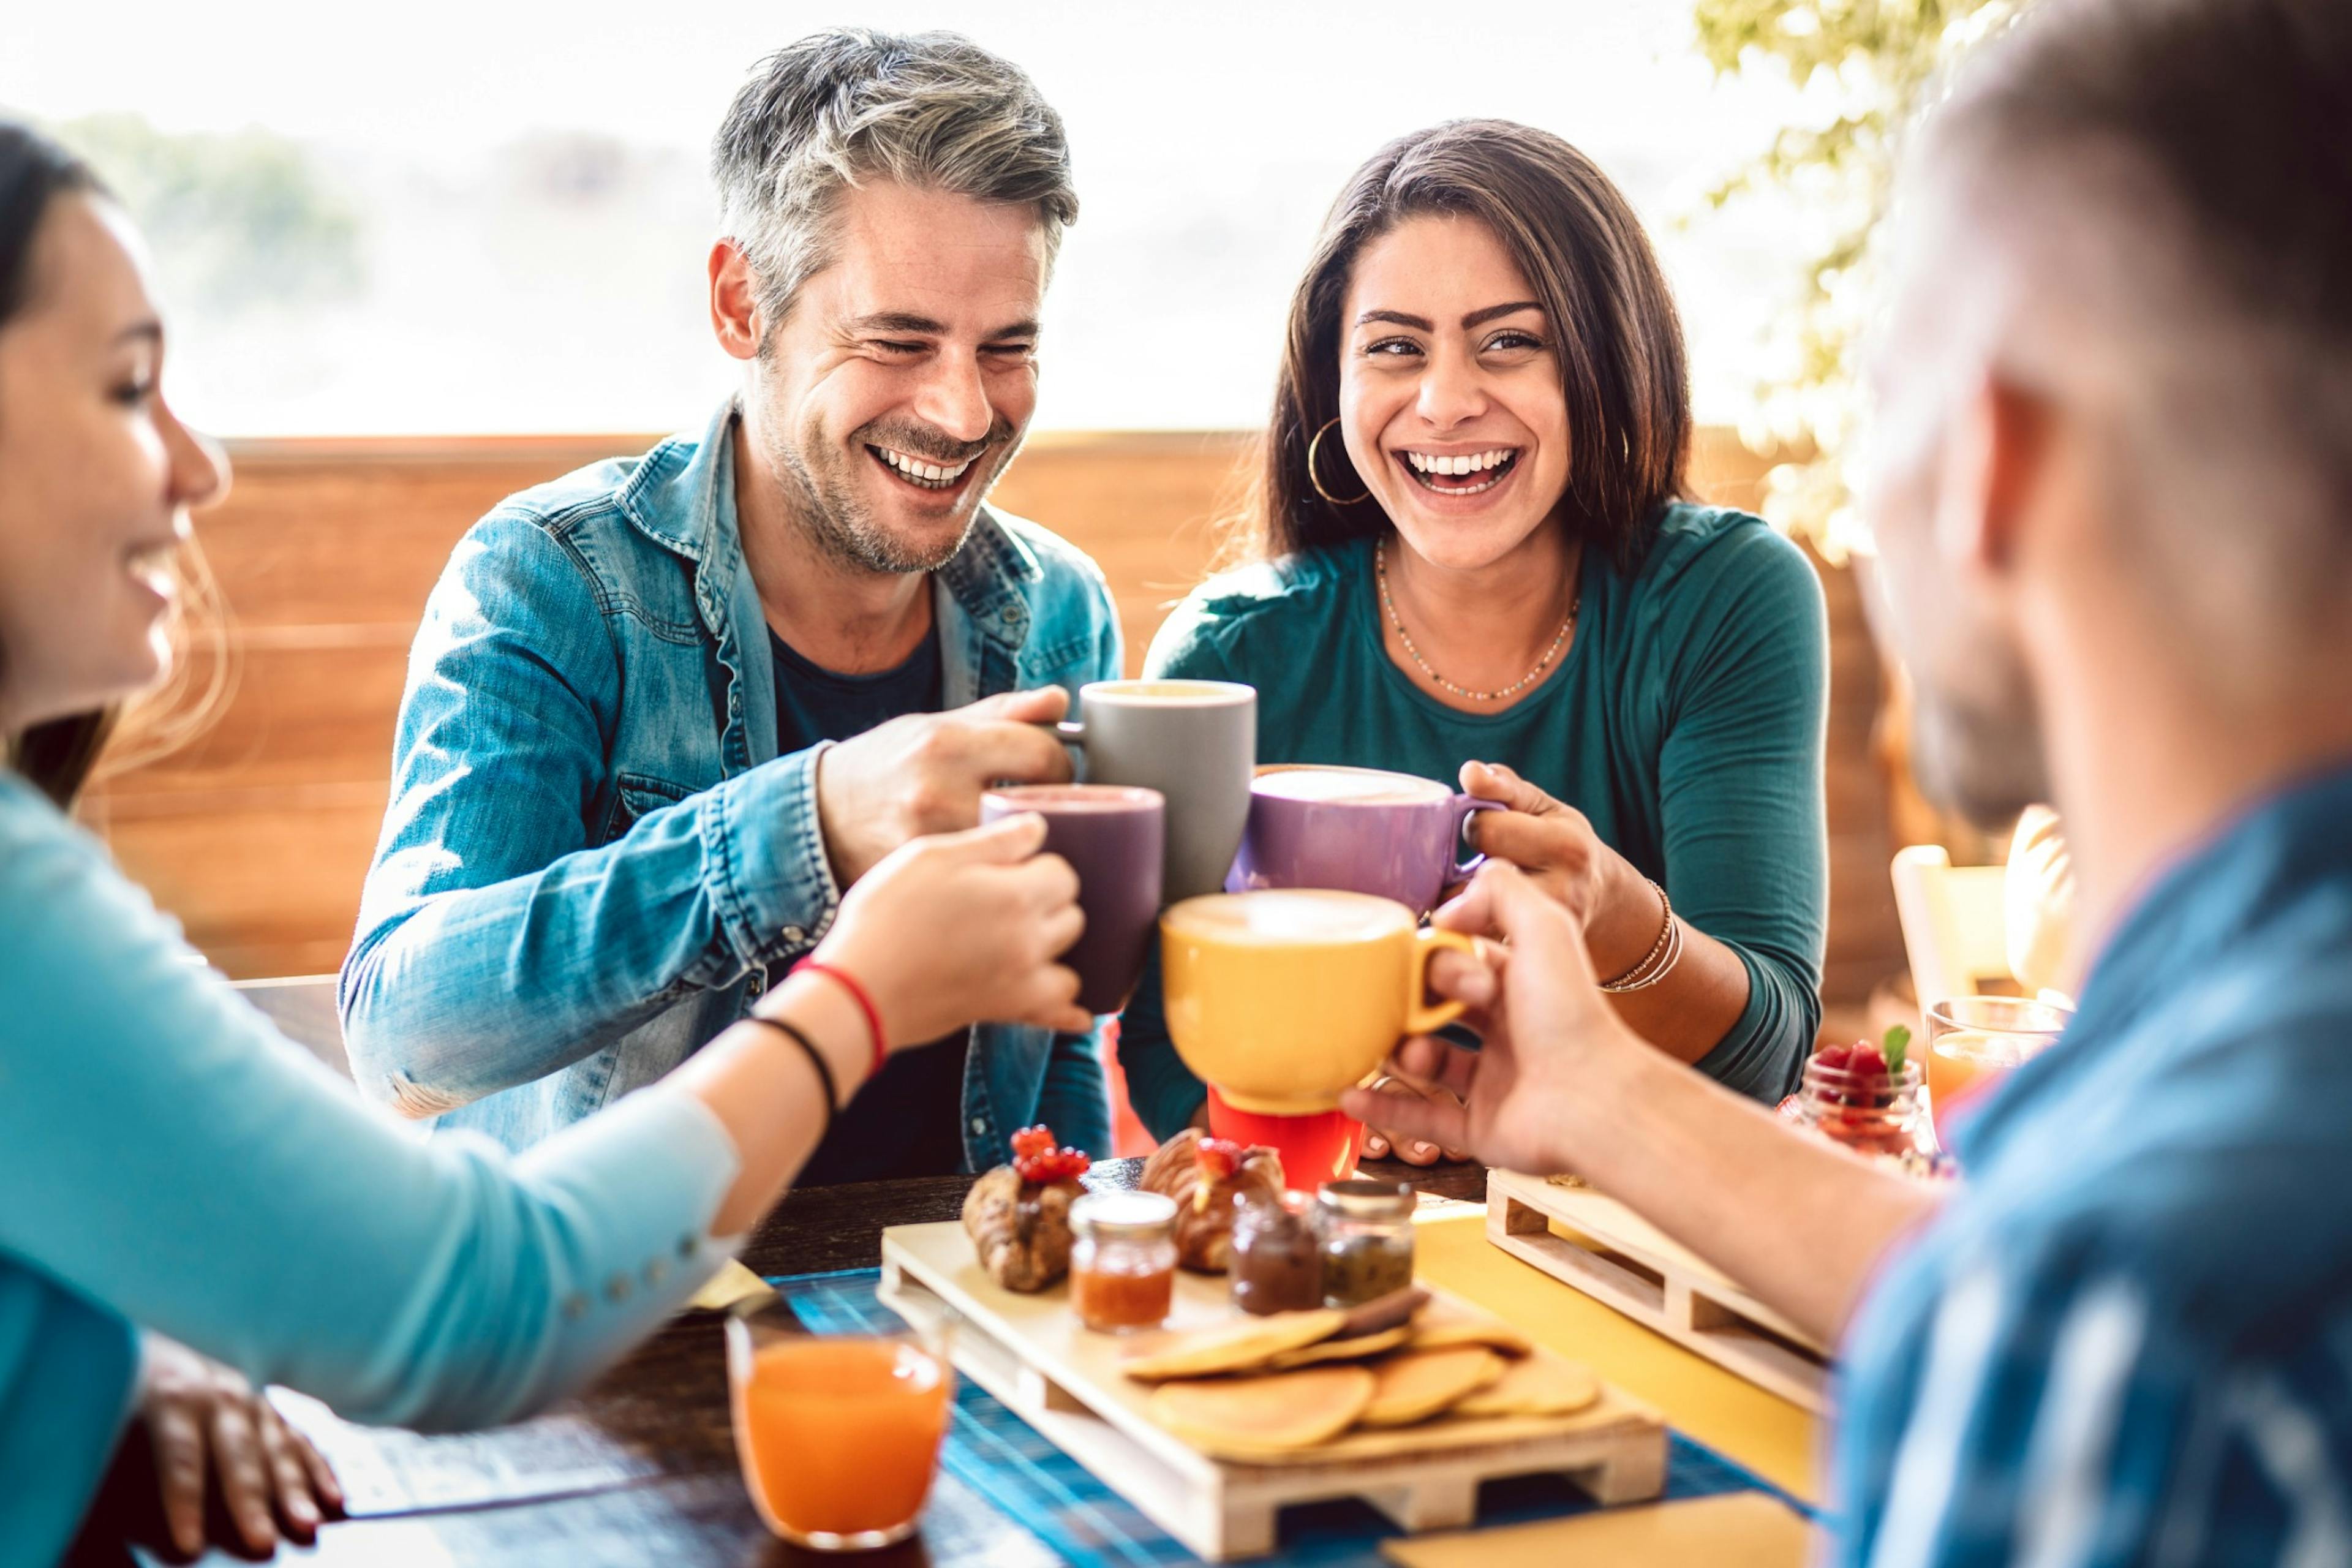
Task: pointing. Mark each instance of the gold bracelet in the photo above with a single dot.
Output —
(1664, 966)
(1659, 958)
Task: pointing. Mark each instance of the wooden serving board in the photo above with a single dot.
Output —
(1612, 1254)
(1031, 1352)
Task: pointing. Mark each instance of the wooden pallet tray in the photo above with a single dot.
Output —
(1606, 1250)
(1031, 1353)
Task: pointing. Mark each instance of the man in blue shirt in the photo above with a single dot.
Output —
(2112, 494)
(662, 711)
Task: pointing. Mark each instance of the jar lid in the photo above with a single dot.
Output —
(1363, 1198)
(1124, 1216)
(1270, 1208)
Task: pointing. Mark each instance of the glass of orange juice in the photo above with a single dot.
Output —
(839, 1434)
(1973, 1042)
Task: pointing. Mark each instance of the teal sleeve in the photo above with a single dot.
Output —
(1162, 1088)
(68, 1371)
(1739, 776)
(167, 1154)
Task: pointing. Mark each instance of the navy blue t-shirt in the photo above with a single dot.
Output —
(908, 1120)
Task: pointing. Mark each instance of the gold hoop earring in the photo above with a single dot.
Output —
(1312, 446)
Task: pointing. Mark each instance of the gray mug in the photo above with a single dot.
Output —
(1195, 742)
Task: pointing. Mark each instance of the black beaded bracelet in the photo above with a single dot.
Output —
(815, 1057)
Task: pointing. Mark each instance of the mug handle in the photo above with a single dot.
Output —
(1467, 806)
(1421, 1015)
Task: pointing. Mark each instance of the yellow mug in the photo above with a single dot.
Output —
(1285, 997)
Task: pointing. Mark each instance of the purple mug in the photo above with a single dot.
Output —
(1114, 838)
(1357, 829)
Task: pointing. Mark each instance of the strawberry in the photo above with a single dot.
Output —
(1217, 1158)
(1037, 1161)
(1057, 1165)
(1836, 1059)
(1867, 1062)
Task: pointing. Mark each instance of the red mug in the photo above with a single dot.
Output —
(1318, 1147)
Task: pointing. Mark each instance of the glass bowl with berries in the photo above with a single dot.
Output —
(1869, 1098)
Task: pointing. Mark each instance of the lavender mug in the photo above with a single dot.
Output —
(1360, 830)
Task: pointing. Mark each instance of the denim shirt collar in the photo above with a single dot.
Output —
(682, 497)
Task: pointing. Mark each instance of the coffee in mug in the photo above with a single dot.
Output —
(1357, 829)
(1283, 998)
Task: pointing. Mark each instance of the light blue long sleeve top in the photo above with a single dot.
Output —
(168, 1159)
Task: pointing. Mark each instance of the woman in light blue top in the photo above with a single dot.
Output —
(168, 1163)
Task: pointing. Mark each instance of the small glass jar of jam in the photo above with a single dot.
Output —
(1122, 1261)
(1879, 1116)
(1367, 1229)
(1277, 1255)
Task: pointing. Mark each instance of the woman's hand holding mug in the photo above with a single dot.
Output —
(962, 927)
(1553, 843)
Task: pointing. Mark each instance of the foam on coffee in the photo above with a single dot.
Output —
(1283, 916)
(1351, 786)
(1170, 693)
(1076, 797)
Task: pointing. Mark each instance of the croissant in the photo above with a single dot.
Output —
(1021, 1229)
(1018, 1215)
(1204, 1175)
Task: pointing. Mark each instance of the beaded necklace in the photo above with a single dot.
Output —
(1380, 570)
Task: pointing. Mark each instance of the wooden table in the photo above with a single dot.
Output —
(640, 1469)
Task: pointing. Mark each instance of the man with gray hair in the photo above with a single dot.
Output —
(2112, 494)
(662, 711)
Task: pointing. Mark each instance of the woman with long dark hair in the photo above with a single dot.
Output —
(169, 1164)
(1471, 555)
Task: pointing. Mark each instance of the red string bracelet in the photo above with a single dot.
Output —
(848, 982)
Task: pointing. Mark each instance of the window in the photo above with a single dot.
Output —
(490, 216)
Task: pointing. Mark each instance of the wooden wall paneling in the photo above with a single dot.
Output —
(1144, 506)
(258, 834)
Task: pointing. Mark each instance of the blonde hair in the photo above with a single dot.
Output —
(62, 757)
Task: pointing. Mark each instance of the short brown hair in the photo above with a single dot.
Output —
(2179, 172)
(1575, 237)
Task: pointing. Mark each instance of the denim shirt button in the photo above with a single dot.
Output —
(616, 1288)
(980, 1124)
(575, 1306)
(794, 934)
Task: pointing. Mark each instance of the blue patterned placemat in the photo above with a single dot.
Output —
(1000, 1456)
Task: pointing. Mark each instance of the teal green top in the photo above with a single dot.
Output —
(168, 1159)
(1686, 721)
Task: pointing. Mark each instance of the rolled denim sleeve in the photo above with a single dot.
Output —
(499, 938)
(1075, 1099)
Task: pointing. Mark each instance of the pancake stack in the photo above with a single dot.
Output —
(1276, 1387)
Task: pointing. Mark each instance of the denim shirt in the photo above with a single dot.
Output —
(593, 859)
(2124, 1338)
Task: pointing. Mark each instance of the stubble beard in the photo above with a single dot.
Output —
(822, 492)
(1980, 754)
